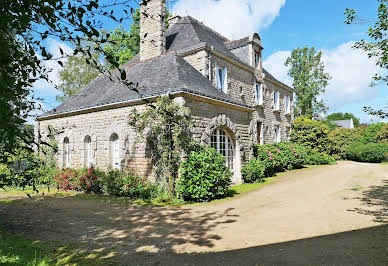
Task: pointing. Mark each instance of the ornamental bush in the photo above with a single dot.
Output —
(370, 133)
(341, 138)
(371, 152)
(382, 134)
(311, 134)
(253, 171)
(91, 180)
(66, 180)
(204, 176)
(315, 158)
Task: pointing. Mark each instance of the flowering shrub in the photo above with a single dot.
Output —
(135, 186)
(204, 176)
(66, 180)
(315, 158)
(253, 171)
(91, 181)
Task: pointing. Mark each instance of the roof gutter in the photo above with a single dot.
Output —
(178, 92)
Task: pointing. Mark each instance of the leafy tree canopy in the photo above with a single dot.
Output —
(344, 116)
(376, 46)
(309, 80)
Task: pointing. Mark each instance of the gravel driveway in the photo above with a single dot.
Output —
(328, 215)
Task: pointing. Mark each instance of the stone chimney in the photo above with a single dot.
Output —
(152, 28)
(173, 20)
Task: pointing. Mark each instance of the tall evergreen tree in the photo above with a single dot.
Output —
(309, 80)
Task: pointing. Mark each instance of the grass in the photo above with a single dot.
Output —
(16, 250)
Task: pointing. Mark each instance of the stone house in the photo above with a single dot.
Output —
(234, 102)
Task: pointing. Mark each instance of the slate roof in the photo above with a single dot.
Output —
(344, 123)
(162, 74)
(157, 76)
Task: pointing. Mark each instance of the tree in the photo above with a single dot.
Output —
(24, 29)
(76, 73)
(122, 45)
(166, 127)
(309, 80)
(377, 47)
(344, 116)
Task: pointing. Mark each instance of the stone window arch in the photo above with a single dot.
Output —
(88, 151)
(115, 151)
(66, 152)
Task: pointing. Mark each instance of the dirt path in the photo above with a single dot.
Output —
(325, 215)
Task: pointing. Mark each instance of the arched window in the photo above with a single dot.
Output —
(221, 141)
(115, 151)
(66, 153)
(88, 151)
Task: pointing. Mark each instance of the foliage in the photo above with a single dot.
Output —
(344, 116)
(382, 134)
(309, 80)
(311, 134)
(370, 133)
(204, 176)
(253, 171)
(376, 46)
(270, 159)
(341, 138)
(166, 128)
(91, 180)
(76, 73)
(67, 180)
(316, 158)
(370, 152)
(123, 45)
(127, 184)
(25, 28)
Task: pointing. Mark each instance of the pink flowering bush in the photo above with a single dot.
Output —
(66, 180)
(91, 180)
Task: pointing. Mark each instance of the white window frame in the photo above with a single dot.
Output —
(287, 104)
(66, 152)
(115, 152)
(259, 97)
(228, 141)
(276, 100)
(288, 134)
(88, 152)
(222, 80)
(276, 134)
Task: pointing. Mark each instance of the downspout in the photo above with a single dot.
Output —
(210, 63)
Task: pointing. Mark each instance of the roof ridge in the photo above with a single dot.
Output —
(204, 25)
(237, 40)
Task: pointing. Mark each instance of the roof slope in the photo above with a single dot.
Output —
(157, 76)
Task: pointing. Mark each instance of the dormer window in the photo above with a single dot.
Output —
(259, 94)
(276, 102)
(222, 79)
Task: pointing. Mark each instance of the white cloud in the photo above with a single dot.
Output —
(351, 71)
(53, 48)
(232, 18)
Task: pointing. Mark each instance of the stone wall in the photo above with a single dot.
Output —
(99, 126)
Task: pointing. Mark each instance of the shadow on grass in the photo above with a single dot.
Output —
(375, 200)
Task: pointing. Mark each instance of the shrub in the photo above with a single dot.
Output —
(135, 186)
(65, 180)
(316, 158)
(91, 180)
(127, 184)
(341, 138)
(382, 134)
(311, 134)
(204, 176)
(370, 133)
(253, 171)
(371, 152)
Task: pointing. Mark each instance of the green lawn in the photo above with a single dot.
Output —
(15, 250)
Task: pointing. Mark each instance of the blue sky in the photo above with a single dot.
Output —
(284, 25)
